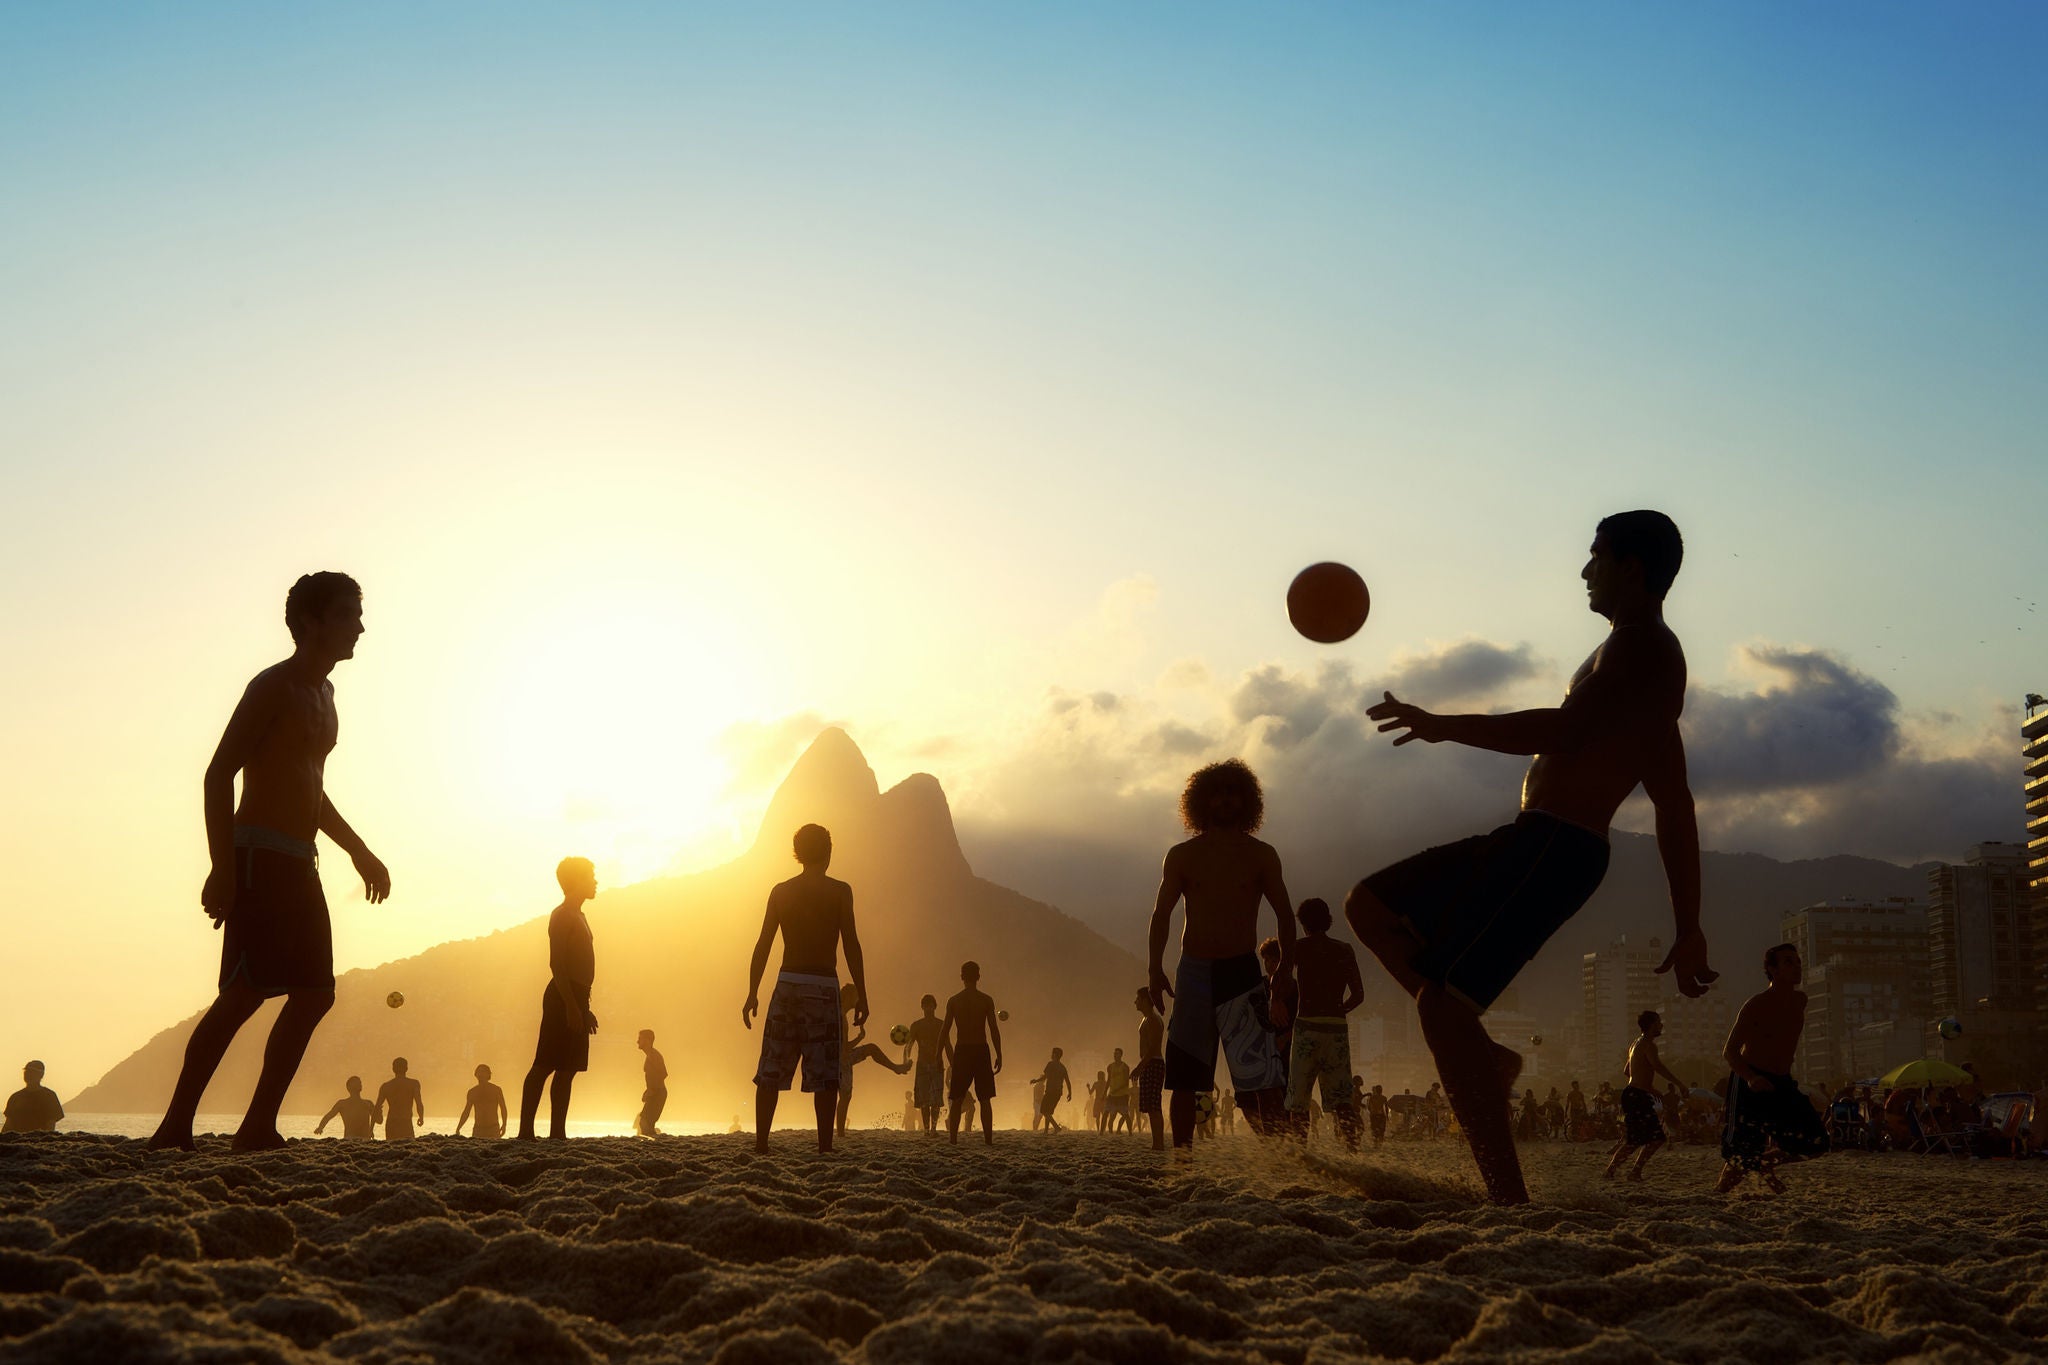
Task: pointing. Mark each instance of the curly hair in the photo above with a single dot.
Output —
(1223, 796)
(314, 595)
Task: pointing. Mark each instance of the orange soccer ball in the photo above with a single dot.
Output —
(1328, 602)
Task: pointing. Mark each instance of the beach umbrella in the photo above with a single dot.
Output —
(1926, 1071)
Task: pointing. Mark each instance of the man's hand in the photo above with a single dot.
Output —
(1687, 961)
(217, 897)
(376, 880)
(1159, 990)
(591, 1020)
(749, 1010)
(998, 1064)
(1394, 714)
(1759, 1082)
(860, 1009)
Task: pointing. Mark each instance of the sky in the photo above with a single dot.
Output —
(676, 380)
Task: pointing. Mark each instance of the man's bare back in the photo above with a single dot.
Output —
(1327, 971)
(1642, 1063)
(1222, 875)
(811, 909)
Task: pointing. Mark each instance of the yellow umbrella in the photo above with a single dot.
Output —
(1926, 1071)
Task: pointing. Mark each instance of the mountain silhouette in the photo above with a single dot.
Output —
(672, 956)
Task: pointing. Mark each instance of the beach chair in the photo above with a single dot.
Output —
(1929, 1139)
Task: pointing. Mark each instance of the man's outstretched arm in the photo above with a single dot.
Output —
(1622, 681)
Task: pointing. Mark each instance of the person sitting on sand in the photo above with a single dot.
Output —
(34, 1108)
(853, 1050)
(1151, 1073)
(1053, 1078)
(814, 914)
(398, 1099)
(1642, 1129)
(1456, 924)
(1765, 1105)
(1330, 988)
(1376, 1114)
(1119, 1092)
(487, 1102)
(1220, 994)
(976, 1047)
(358, 1116)
(566, 1022)
(928, 1037)
(654, 1086)
(263, 888)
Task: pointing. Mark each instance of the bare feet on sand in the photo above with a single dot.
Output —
(167, 1137)
(258, 1140)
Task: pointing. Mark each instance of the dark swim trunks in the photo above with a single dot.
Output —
(1221, 1001)
(1151, 1078)
(561, 1047)
(1483, 907)
(1639, 1122)
(1757, 1118)
(277, 938)
(972, 1066)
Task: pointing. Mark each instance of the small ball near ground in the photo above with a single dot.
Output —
(1328, 602)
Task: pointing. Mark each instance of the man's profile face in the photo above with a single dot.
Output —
(333, 635)
(1787, 968)
(1604, 575)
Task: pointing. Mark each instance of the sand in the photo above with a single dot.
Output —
(1065, 1249)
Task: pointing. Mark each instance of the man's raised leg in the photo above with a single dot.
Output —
(1469, 1063)
(1386, 934)
(302, 1013)
(209, 1043)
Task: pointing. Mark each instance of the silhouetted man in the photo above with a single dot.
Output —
(813, 913)
(1151, 1072)
(1641, 1128)
(1330, 989)
(654, 1091)
(1765, 1105)
(1117, 1094)
(487, 1102)
(1219, 992)
(33, 1108)
(398, 1100)
(1376, 1114)
(1054, 1076)
(264, 889)
(971, 1027)
(358, 1116)
(928, 1036)
(566, 1022)
(853, 1050)
(1455, 924)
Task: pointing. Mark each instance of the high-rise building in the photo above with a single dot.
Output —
(2034, 774)
(1619, 982)
(1980, 933)
(1866, 963)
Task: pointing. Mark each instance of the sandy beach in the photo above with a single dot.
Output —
(898, 1249)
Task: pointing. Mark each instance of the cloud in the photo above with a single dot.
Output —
(1817, 721)
(1460, 672)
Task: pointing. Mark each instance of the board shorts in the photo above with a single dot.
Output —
(1050, 1102)
(277, 938)
(1483, 907)
(972, 1066)
(562, 1047)
(1640, 1125)
(802, 1023)
(931, 1086)
(1756, 1118)
(1322, 1052)
(1221, 1000)
(1151, 1079)
(653, 1100)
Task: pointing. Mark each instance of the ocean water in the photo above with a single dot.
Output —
(301, 1125)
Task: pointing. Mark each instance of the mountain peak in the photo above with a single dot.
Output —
(831, 785)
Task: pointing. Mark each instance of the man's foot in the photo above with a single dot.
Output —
(167, 1137)
(257, 1140)
(1731, 1176)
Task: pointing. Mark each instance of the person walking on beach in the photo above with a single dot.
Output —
(1220, 994)
(853, 1050)
(1330, 988)
(398, 1099)
(654, 1086)
(1151, 1072)
(1574, 1112)
(1456, 924)
(263, 889)
(973, 1030)
(34, 1108)
(1098, 1102)
(566, 1023)
(1641, 1127)
(358, 1116)
(1376, 1114)
(487, 1102)
(1118, 1092)
(814, 913)
(1053, 1078)
(1765, 1105)
(928, 1037)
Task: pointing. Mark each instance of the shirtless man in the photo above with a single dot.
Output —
(1765, 1104)
(972, 1026)
(1376, 1113)
(1117, 1094)
(1151, 1072)
(1331, 988)
(1640, 1126)
(562, 1048)
(358, 1116)
(1455, 924)
(398, 1099)
(264, 888)
(487, 1102)
(1220, 994)
(654, 1086)
(813, 913)
(1054, 1076)
(928, 1037)
(853, 1050)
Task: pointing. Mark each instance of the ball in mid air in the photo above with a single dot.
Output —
(395, 999)
(1950, 1027)
(1535, 1040)
(1002, 1016)
(1328, 602)
(899, 1035)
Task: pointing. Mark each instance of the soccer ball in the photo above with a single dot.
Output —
(1205, 1107)
(1535, 1040)
(1950, 1027)
(899, 1035)
(1002, 1016)
(395, 999)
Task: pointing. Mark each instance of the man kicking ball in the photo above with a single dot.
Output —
(1455, 924)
